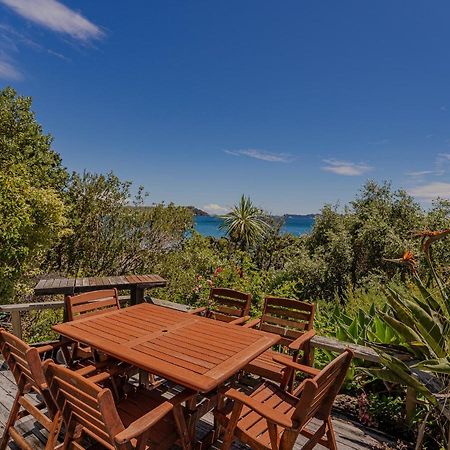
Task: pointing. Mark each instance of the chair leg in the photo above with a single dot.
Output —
(182, 427)
(331, 437)
(229, 432)
(11, 421)
(54, 432)
(69, 436)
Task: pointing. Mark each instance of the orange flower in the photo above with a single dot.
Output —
(428, 237)
(407, 259)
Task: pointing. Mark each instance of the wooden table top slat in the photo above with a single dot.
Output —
(156, 320)
(180, 353)
(124, 325)
(199, 342)
(140, 325)
(225, 340)
(191, 349)
(40, 284)
(70, 286)
(131, 279)
(111, 327)
(179, 360)
(86, 332)
(196, 352)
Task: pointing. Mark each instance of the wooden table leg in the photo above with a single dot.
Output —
(137, 294)
(191, 406)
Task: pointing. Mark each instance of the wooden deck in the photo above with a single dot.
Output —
(350, 436)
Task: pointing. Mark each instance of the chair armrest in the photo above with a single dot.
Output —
(197, 310)
(260, 408)
(302, 340)
(240, 320)
(144, 423)
(253, 323)
(44, 348)
(293, 365)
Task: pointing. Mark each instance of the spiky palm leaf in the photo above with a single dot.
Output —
(244, 224)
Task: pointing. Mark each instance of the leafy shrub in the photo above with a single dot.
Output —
(32, 215)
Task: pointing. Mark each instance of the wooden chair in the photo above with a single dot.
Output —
(272, 419)
(85, 305)
(91, 303)
(291, 319)
(144, 419)
(26, 366)
(226, 305)
(25, 363)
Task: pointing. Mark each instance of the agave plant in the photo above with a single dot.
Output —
(421, 316)
(365, 327)
(245, 223)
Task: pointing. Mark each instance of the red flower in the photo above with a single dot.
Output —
(217, 271)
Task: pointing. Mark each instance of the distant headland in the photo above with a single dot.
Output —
(199, 212)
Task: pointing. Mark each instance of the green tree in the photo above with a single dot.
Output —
(32, 178)
(112, 235)
(381, 223)
(245, 224)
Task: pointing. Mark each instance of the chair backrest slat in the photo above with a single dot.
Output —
(287, 317)
(78, 399)
(316, 395)
(22, 359)
(222, 317)
(91, 303)
(229, 302)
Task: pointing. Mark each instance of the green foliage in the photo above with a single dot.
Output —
(245, 224)
(387, 411)
(196, 258)
(32, 215)
(37, 325)
(364, 327)
(420, 317)
(109, 235)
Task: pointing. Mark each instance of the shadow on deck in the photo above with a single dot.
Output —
(349, 435)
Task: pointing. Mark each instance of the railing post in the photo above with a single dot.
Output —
(16, 324)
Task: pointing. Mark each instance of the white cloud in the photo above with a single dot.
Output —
(262, 155)
(345, 168)
(421, 173)
(214, 208)
(431, 191)
(9, 72)
(57, 17)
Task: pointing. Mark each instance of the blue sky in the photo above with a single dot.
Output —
(294, 103)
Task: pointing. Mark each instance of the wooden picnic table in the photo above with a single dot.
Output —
(193, 351)
(70, 286)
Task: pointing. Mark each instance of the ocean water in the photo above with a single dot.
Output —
(209, 225)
